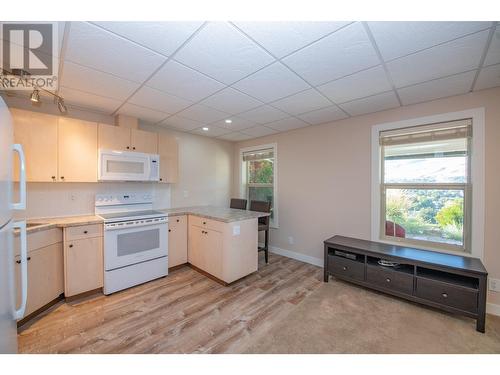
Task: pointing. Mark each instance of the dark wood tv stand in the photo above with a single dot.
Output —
(449, 282)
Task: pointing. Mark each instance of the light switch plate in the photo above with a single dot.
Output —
(236, 230)
(494, 285)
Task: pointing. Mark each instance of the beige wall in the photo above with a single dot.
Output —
(324, 183)
(205, 170)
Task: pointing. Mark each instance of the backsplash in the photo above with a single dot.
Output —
(48, 199)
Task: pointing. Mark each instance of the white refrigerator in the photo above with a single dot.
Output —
(9, 312)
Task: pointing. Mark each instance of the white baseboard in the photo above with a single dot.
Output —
(297, 256)
(493, 309)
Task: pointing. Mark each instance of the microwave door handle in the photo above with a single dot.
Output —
(19, 313)
(21, 205)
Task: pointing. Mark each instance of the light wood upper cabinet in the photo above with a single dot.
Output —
(37, 133)
(114, 137)
(177, 240)
(169, 159)
(143, 141)
(77, 147)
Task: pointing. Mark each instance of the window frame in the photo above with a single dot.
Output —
(243, 185)
(473, 239)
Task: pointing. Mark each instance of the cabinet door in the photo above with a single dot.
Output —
(83, 260)
(212, 252)
(77, 150)
(169, 159)
(195, 246)
(38, 134)
(142, 141)
(177, 240)
(45, 276)
(114, 137)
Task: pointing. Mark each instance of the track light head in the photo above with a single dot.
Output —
(62, 106)
(35, 96)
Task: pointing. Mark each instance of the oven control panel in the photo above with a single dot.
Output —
(125, 198)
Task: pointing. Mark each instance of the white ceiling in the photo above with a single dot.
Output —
(270, 77)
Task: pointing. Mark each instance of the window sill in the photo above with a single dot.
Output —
(428, 248)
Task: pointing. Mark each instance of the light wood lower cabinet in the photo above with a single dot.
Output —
(45, 271)
(177, 240)
(83, 260)
(227, 251)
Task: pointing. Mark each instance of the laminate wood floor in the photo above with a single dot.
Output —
(184, 312)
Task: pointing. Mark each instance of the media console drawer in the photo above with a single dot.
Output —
(390, 279)
(448, 295)
(346, 267)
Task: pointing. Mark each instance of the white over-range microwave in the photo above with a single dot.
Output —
(128, 166)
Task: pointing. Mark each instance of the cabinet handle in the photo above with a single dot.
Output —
(85, 231)
(62, 177)
(445, 295)
(19, 261)
(128, 148)
(204, 222)
(70, 245)
(178, 220)
(53, 178)
(133, 148)
(388, 280)
(344, 268)
(170, 230)
(161, 179)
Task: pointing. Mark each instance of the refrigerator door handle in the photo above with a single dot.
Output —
(21, 205)
(19, 313)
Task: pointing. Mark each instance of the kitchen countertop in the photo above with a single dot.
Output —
(224, 214)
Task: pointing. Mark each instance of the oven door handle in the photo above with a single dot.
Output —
(112, 227)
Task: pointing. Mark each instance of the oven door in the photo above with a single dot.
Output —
(123, 166)
(135, 244)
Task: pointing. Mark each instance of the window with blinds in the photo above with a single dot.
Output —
(258, 165)
(426, 189)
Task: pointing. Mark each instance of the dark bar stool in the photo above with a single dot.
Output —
(240, 204)
(263, 206)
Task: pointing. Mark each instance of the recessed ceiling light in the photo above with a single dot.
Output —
(228, 121)
(205, 129)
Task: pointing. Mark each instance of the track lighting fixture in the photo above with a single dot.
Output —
(35, 96)
(61, 106)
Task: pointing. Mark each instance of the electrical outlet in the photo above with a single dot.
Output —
(291, 240)
(494, 285)
(72, 197)
(186, 193)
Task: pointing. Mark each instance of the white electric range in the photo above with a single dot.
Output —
(135, 240)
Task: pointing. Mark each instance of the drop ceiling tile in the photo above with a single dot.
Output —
(181, 123)
(90, 101)
(304, 101)
(96, 48)
(146, 114)
(446, 59)
(213, 131)
(493, 55)
(488, 77)
(287, 124)
(344, 52)
(237, 124)
(184, 82)
(203, 114)
(222, 52)
(259, 131)
(323, 115)
(158, 100)
(162, 37)
(396, 39)
(375, 103)
(235, 137)
(231, 101)
(358, 85)
(282, 38)
(439, 88)
(81, 78)
(272, 83)
(263, 115)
